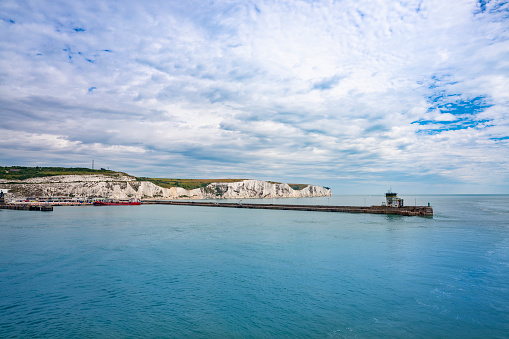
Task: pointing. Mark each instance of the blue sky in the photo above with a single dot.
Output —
(356, 95)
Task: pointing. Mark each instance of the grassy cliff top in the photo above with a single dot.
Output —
(187, 184)
(296, 187)
(190, 184)
(22, 173)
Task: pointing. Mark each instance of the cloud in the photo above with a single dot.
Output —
(327, 83)
(291, 89)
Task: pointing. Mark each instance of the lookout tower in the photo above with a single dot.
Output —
(393, 200)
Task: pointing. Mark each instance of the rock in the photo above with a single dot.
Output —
(125, 187)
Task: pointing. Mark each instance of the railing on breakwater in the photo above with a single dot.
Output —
(405, 210)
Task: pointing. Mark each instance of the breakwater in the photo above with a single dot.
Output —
(27, 207)
(405, 210)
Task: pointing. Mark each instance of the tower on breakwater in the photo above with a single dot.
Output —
(392, 199)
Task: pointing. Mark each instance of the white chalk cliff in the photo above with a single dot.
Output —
(125, 187)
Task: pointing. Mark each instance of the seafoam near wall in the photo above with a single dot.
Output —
(89, 186)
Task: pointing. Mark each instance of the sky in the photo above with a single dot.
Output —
(360, 96)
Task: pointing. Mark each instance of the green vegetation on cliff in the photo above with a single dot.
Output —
(22, 173)
(187, 184)
(190, 184)
(296, 187)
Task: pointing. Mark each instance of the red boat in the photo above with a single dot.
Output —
(121, 203)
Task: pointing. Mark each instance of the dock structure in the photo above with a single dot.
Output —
(404, 210)
(24, 206)
(27, 207)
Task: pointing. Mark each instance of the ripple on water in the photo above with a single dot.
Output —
(166, 271)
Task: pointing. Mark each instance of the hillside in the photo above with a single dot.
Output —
(23, 173)
(88, 184)
(187, 184)
(14, 173)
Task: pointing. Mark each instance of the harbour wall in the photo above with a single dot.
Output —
(426, 211)
(27, 207)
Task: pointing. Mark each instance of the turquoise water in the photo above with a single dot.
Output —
(183, 271)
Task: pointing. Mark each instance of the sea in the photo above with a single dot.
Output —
(162, 271)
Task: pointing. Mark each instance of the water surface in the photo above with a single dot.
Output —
(184, 271)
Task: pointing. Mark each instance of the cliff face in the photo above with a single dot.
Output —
(260, 189)
(95, 186)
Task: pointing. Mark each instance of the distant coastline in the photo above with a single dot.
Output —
(84, 183)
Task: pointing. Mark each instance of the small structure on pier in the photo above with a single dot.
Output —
(392, 199)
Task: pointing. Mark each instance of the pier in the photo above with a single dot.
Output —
(27, 207)
(23, 206)
(426, 211)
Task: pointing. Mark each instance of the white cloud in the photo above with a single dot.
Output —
(352, 89)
